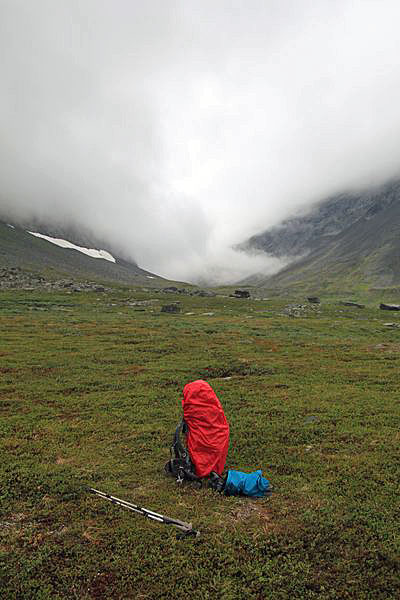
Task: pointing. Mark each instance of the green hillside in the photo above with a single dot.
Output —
(21, 249)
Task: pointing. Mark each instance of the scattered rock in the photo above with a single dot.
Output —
(192, 292)
(171, 308)
(240, 294)
(15, 277)
(314, 300)
(392, 325)
(142, 302)
(389, 306)
(348, 303)
(295, 310)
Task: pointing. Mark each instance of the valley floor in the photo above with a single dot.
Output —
(90, 394)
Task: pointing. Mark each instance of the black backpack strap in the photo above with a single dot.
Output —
(180, 464)
(177, 448)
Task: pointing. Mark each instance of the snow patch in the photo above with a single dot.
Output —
(65, 244)
(150, 277)
(12, 226)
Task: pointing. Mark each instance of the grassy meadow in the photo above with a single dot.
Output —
(90, 394)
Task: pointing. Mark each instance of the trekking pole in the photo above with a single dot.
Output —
(186, 528)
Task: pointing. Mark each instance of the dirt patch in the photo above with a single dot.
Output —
(71, 416)
(261, 519)
(133, 370)
(267, 345)
(250, 509)
(6, 370)
(90, 535)
(76, 390)
(63, 461)
(13, 520)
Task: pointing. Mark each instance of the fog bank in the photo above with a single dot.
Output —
(177, 129)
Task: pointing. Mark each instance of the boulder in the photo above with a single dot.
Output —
(171, 308)
(389, 306)
(241, 294)
(314, 300)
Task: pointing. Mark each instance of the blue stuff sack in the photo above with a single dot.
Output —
(248, 484)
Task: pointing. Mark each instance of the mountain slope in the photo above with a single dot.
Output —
(19, 248)
(301, 234)
(351, 240)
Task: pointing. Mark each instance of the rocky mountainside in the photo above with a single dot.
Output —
(350, 239)
(19, 249)
(81, 236)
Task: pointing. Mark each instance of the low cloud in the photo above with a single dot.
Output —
(175, 130)
(226, 266)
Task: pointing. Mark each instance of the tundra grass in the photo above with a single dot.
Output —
(90, 394)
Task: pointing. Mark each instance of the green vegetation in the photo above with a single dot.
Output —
(90, 395)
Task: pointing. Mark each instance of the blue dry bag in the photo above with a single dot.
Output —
(248, 484)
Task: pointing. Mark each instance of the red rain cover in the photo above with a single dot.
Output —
(208, 436)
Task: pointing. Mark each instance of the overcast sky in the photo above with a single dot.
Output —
(175, 129)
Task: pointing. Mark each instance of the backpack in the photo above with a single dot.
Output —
(207, 435)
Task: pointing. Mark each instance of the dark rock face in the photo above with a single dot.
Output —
(348, 234)
(314, 300)
(298, 235)
(171, 308)
(389, 306)
(241, 294)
